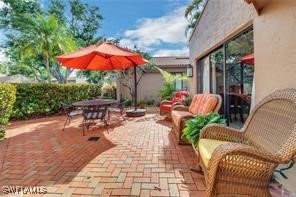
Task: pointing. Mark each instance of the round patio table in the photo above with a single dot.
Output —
(95, 103)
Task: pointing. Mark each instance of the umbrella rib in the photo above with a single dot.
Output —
(111, 63)
(89, 62)
(134, 64)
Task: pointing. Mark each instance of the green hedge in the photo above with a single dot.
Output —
(44, 99)
(7, 99)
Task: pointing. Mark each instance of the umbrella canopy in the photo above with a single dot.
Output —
(248, 59)
(101, 56)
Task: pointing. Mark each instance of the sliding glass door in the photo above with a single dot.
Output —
(222, 72)
(239, 78)
(204, 69)
(217, 74)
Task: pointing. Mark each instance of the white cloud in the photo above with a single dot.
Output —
(168, 52)
(151, 32)
(125, 42)
(2, 5)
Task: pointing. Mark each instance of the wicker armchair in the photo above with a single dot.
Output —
(166, 105)
(200, 104)
(241, 162)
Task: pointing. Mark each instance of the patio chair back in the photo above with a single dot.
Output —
(119, 106)
(205, 103)
(67, 108)
(272, 124)
(95, 113)
(179, 96)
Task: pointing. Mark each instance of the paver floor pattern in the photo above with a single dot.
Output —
(137, 157)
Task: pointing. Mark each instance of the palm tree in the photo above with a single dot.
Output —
(45, 36)
(192, 13)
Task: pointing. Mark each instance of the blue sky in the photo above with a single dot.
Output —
(156, 26)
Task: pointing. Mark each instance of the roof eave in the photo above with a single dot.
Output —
(258, 4)
(201, 14)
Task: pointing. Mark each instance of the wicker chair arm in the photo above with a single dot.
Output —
(242, 161)
(185, 118)
(180, 108)
(166, 102)
(223, 133)
(243, 150)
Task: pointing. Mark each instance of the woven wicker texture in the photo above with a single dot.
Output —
(244, 166)
(178, 120)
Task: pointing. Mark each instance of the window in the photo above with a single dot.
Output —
(221, 72)
(204, 69)
(179, 84)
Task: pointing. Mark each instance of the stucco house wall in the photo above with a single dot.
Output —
(274, 28)
(275, 48)
(274, 40)
(149, 87)
(152, 81)
(220, 20)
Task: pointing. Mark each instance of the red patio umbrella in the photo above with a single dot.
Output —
(248, 59)
(103, 56)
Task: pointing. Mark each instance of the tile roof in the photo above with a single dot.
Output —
(170, 61)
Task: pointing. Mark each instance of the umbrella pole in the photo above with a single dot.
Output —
(135, 78)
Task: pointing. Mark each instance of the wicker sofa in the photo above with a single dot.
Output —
(166, 105)
(200, 104)
(241, 162)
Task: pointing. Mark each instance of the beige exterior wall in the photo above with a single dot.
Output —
(274, 45)
(221, 19)
(275, 48)
(148, 88)
(274, 40)
(150, 85)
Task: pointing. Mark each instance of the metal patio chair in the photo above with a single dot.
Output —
(70, 112)
(117, 109)
(91, 114)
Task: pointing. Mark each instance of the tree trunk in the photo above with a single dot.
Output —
(68, 73)
(47, 68)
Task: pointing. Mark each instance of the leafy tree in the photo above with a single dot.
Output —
(57, 8)
(10, 16)
(94, 77)
(46, 37)
(82, 23)
(192, 13)
(12, 11)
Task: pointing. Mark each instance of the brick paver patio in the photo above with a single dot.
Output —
(138, 157)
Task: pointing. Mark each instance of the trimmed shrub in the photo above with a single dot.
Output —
(44, 99)
(7, 99)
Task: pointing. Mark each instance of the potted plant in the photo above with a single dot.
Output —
(194, 126)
